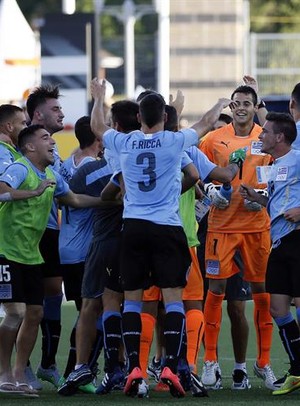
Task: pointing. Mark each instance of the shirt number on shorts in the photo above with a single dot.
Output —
(150, 160)
(4, 273)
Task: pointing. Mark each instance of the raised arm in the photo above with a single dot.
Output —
(98, 124)
(205, 124)
(261, 111)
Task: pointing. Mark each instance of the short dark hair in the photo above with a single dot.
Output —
(172, 118)
(7, 111)
(226, 118)
(26, 134)
(246, 90)
(39, 96)
(83, 132)
(283, 123)
(124, 112)
(144, 94)
(152, 109)
(296, 94)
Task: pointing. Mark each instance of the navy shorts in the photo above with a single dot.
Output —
(21, 283)
(283, 270)
(50, 253)
(153, 254)
(102, 268)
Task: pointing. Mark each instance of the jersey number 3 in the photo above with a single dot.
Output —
(150, 160)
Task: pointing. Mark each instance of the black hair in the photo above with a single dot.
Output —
(152, 109)
(83, 132)
(7, 111)
(246, 90)
(27, 133)
(172, 118)
(39, 96)
(124, 112)
(283, 123)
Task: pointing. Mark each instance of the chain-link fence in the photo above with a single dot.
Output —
(275, 62)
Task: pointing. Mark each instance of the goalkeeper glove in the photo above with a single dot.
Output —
(238, 156)
(217, 200)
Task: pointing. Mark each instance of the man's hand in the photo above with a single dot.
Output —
(178, 103)
(43, 185)
(251, 82)
(238, 156)
(292, 215)
(98, 89)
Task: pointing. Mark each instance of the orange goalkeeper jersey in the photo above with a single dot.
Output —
(218, 145)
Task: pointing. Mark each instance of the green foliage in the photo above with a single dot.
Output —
(275, 15)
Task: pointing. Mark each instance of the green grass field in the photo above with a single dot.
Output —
(257, 395)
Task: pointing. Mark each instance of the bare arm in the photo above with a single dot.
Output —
(205, 124)
(224, 175)
(98, 124)
(80, 201)
(177, 103)
(262, 111)
(190, 178)
(110, 192)
(8, 193)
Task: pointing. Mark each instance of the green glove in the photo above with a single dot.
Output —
(238, 156)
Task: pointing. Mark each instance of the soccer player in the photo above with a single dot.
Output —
(153, 237)
(238, 225)
(282, 278)
(101, 284)
(75, 235)
(27, 188)
(44, 108)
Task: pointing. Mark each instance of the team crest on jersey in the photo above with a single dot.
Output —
(212, 267)
(256, 148)
(282, 173)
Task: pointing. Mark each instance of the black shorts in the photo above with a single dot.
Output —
(158, 252)
(102, 268)
(72, 277)
(237, 288)
(21, 283)
(283, 270)
(50, 253)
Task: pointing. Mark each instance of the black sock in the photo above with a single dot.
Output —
(290, 337)
(132, 327)
(174, 335)
(112, 333)
(50, 339)
(72, 354)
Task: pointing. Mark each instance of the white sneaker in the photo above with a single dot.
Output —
(211, 375)
(32, 380)
(266, 374)
(143, 390)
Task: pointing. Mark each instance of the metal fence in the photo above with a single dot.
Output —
(275, 62)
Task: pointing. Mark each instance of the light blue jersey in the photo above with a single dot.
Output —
(296, 143)
(202, 163)
(76, 224)
(151, 168)
(284, 193)
(16, 174)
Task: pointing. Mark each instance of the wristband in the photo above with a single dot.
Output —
(261, 105)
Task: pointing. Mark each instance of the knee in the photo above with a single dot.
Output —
(34, 314)
(14, 315)
(236, 312)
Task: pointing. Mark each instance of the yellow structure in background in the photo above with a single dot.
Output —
(66, 143)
